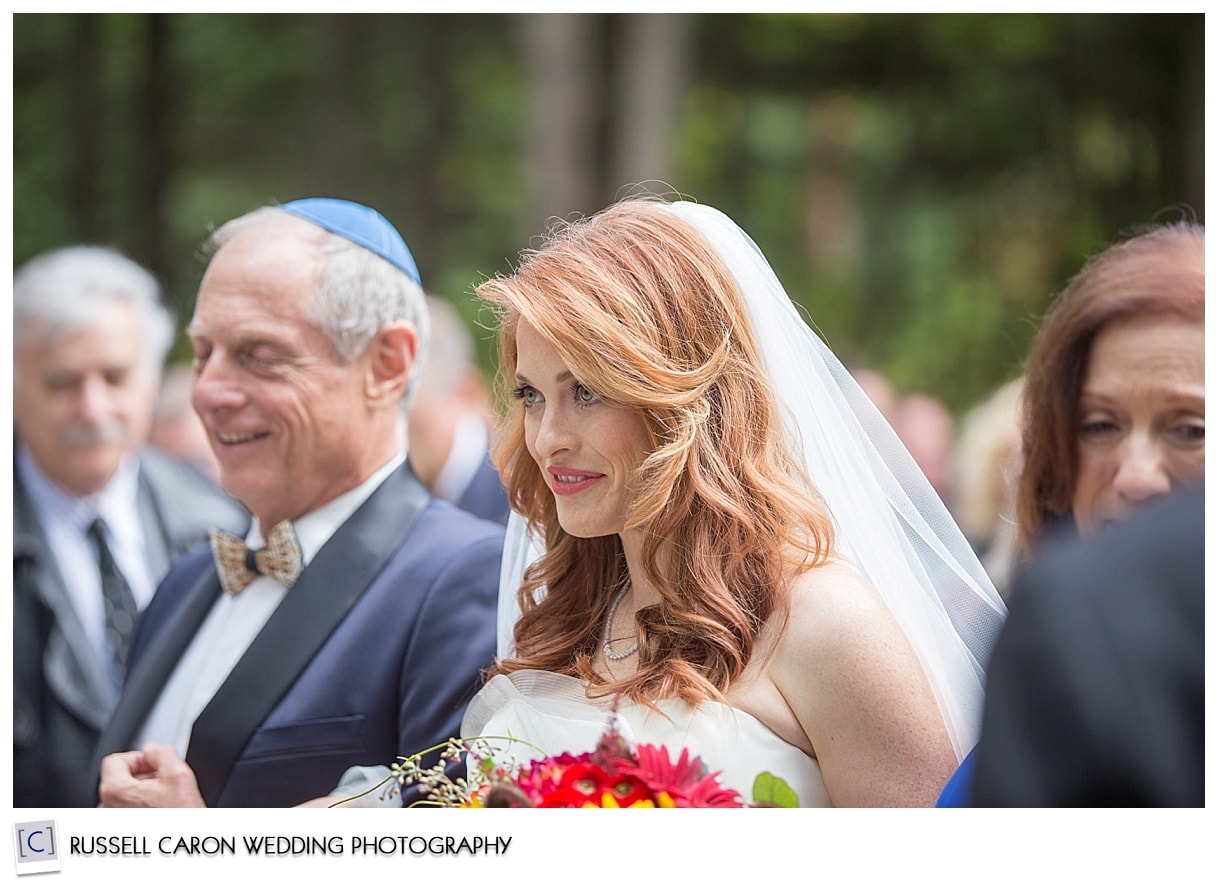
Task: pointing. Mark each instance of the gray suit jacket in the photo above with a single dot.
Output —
(61, 699)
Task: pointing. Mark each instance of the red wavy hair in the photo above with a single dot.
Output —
(644, 313)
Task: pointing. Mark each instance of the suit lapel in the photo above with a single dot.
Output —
(323, 595)
(156, 664)
(71, 672)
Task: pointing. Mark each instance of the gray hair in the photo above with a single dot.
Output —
(360, 292)
(66, 289)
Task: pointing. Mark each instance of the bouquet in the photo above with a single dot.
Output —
(613, 775)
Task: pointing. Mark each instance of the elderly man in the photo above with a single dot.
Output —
(97, 515)
(357, 627)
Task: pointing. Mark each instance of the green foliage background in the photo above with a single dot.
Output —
(922, 183)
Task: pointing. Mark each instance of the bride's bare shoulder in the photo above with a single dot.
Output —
(835, 586)
(833, 608)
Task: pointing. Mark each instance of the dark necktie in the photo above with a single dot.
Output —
(120, 607)
(237, 564)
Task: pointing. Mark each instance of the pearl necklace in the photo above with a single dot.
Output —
(611, 654)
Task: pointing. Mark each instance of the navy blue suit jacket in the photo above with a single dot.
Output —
(373, 653)
(485, 496)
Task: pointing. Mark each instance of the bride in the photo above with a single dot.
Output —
(714, 531)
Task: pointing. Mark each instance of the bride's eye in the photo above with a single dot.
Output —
(527, 394)
(585, 396)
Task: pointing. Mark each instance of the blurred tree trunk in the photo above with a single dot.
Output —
(334, 155)
(84, 124)
(560, 134)
(1192, 125)
(431, 211)
(153, 153)
(652, 74)
(346, 159)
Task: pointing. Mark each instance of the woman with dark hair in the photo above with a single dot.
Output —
(1113, 401)
(1114, 390)
(716, 535)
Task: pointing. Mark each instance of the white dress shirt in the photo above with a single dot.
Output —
(234, 622)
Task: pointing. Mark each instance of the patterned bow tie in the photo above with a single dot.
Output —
(239, 565)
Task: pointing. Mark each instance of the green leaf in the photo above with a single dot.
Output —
(771, 791)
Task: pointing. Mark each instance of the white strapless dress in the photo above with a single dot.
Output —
(552, 712)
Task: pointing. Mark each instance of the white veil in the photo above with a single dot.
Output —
(889, 520)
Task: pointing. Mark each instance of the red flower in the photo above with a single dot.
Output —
(686, 782)
(585, 783)
(612, 775)
(615, 775)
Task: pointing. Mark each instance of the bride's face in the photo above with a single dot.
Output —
(588, 450)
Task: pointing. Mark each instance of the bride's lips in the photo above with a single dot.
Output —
(565, 482)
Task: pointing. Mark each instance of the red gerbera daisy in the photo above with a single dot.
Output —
(686, 781)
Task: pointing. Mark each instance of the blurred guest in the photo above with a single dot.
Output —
(985, 468)
(927, 428)
(451, 420)
(176, 428)
(1113, 402)
(97, 515)
(1096, 690)
(1114, 397)
(878, 389)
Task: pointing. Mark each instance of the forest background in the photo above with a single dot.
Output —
(922, 183)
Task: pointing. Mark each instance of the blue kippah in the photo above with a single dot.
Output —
(360, 224)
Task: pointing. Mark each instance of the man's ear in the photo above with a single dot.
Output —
(391, 355)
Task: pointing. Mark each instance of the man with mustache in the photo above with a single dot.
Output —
(97, 516)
